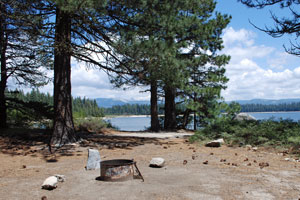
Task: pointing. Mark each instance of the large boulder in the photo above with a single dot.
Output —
(93, 160)
(244, 116)
(157, 162)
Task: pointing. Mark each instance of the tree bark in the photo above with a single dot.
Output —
(64, 131)
(3, 81)
(170, 109)
(154, 107)
(185, 118)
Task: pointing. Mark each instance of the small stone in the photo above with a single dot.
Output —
(44, 198)
(249, 164)
(193, 157)
(248, 147)
(234, 164)
(205, 162)
(184, 162)
(211, 154)
(165, 147)
(194, 151)
(223, 160)
(157, 162)
(235, 154)
(254, 148)
(254, 161)
(246, 159)
(24, 166)
(263, 164)
(51, 182)
(215, 143)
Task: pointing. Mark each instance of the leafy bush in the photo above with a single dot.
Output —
(92, 124)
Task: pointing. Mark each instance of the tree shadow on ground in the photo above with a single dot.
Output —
(35, 142)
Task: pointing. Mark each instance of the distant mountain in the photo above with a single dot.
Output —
(267, 101)
(108, 102)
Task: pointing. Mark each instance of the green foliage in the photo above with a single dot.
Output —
(265, 132)
(294, 140)
(91, 124)
(176, 45)
(23, 108)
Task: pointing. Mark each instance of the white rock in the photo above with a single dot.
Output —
(254, 148)
(93, 159)
(221, 141)
(244, 116)
(215, 143)
(51, 182)
(157, 162)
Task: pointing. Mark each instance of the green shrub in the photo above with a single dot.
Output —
(91, 124)
(265, 132)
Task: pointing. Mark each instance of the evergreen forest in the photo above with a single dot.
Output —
(37, 106)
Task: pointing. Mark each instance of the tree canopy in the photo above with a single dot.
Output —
(287, 25)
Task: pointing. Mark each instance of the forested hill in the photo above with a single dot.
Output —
(137, 109)
(267, 101)
(270, 108)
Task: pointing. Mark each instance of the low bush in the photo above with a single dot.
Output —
(265, 132)
(91, 124)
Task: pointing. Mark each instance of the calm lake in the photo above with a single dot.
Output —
(142, 122)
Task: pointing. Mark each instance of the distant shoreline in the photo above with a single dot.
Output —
(273, 112)
(116, 116)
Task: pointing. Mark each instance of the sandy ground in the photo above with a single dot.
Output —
(191, 171)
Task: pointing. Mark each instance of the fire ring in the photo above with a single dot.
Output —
(118, 170)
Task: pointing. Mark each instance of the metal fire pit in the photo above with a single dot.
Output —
(118, 170)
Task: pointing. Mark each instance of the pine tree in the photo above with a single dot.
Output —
(22, 53)
(175, 38)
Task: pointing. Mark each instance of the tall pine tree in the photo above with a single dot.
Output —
(22, 53)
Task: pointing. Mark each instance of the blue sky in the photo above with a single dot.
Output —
(259, 66)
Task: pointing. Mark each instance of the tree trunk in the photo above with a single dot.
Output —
(154, 110)
(170, 109)
(64, 131)
(185, 119)
(3, 81)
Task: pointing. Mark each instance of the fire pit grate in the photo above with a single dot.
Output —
(118, 170)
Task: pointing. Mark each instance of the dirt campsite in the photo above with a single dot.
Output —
(191, 171)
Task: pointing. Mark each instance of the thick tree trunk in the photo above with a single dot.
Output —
(154, 108)
(170, 109)
(64, 131)
(3, 81)
(3, 114)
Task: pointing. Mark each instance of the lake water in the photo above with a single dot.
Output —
(141, 123)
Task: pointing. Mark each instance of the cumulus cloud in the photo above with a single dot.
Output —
(257, 71)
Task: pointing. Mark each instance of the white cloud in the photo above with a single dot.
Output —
(253, 77)
(242, 36)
